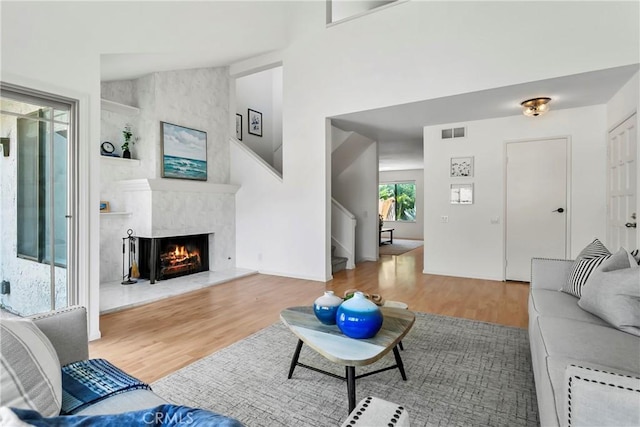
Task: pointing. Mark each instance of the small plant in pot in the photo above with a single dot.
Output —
(128, 139)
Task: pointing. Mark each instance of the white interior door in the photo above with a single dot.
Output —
(536, 204)
(622, 186)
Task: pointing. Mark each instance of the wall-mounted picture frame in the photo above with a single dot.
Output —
(254, 122)
(104, 206)
(184, 152)
(461, 194)
(461, 167)
(239, 127)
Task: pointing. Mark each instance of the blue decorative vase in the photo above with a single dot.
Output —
(326, 307)
(358, 317)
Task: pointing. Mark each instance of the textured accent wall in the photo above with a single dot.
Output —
(197, 99)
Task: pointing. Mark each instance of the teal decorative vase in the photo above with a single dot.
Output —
(326, 307)
(358, 317)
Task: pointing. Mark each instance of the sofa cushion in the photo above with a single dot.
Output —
(556, 369)
(590, 343)
(598, 397)
(30, 377)
(587, 261)
(558, 304)
(613, 293)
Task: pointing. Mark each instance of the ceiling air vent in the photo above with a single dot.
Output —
(454, 133)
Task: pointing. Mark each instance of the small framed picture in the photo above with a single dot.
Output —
(104, 206)
(461, 194)
(461, 167)
(239, 127)
(255, 122)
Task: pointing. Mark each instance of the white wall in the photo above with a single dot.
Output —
(624, 103)
(410, 52)
(262, 92)
(403, 229)
(356, 189)
(469, 245)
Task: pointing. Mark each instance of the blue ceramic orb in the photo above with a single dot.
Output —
(326, 307)
(326, 315)
(359, 318)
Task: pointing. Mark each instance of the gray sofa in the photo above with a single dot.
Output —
(586, 372)
(67, 331)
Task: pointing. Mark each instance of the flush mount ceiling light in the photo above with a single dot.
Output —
(535, 107)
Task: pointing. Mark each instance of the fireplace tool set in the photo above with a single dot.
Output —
(129, 275)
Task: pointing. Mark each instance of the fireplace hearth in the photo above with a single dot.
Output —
(168, 257)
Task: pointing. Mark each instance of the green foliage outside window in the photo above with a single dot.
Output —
(397, 202)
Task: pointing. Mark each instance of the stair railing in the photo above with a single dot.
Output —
(343, 232)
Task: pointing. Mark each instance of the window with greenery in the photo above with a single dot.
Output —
(397, 201)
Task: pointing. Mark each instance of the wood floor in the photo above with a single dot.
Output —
(156, 339)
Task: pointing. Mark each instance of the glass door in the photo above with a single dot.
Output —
(34, 211)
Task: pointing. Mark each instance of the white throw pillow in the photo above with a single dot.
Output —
(613, 293)
(30, 377)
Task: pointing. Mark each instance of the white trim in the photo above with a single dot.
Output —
(619, 122)
(342, 208)
(569, 208)
(257, 158)
(467, 276)
(87, 220)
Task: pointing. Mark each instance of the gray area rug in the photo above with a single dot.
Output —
(400, 246)
(459, 373)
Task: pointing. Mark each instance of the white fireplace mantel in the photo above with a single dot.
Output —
(175, 185)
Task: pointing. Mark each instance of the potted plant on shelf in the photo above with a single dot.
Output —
(128, 138)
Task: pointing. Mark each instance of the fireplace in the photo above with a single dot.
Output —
(168, 257)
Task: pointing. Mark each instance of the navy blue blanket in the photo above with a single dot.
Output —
(163, 415)
(89, 381)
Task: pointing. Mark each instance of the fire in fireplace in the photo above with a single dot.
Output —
(168, 257)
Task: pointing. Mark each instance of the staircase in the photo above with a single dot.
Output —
(338, 263)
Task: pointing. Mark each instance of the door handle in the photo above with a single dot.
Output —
(560, 210)
(631, 225)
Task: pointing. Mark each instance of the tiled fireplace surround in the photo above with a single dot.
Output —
(167, 208)
(159, 208)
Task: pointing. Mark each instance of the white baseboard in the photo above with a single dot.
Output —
(295, 276)
(456, 274)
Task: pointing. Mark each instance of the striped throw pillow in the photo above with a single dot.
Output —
(30, 377)
(594, 254)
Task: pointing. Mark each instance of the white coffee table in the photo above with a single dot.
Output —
(331, 343)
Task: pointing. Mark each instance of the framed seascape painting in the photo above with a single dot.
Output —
(184, 152)
(255, 122)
